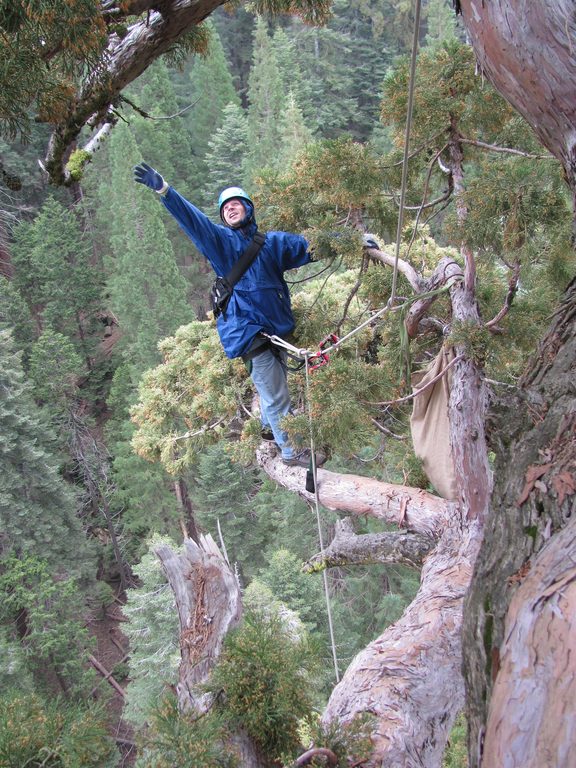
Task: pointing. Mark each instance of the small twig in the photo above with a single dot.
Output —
(148, 116)
(107, 675)
(385, 431)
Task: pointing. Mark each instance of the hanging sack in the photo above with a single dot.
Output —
(430, 424)
(223, 287)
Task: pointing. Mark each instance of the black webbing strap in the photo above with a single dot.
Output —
(223, 287)
(246, 259)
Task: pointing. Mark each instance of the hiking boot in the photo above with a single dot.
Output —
(267, 435)
(302, 459)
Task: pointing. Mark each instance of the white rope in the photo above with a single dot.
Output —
(406, 147)
(319, 522)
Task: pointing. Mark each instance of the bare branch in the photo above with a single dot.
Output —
(347, 548)
(314, 752)
(404, 267)
(447, 269)
(506, 150)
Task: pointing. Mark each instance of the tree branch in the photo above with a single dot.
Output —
(412, 508)
(447, 269)
(347, 548)
(505, 150)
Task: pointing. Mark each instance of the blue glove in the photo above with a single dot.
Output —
(144, 174)
(369, 241)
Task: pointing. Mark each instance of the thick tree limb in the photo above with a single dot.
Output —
(410, 677)
(411, 508)
(347, 548)
(527, 52)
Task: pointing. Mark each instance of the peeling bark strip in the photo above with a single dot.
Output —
(208, 600)
(531, 717)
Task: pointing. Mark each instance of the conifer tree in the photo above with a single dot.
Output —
(51, 257)
(266, 102)
(164, 143)
(37, 507)
(226, 157)
(148, 296)
(441, 22)
(294, 133)
(210, 88)
(153, 635)
(147, 291)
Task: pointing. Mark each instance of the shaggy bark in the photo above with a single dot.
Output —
(534, 498)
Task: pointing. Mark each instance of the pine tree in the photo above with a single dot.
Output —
(294, 133)
(153, 634)
(226, 157)
(266, 102)
(442, 23)
(147, 291)
(164, 143)
(37, 507)
(51, 257)
(210, 88)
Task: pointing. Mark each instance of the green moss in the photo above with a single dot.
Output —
(75, 165)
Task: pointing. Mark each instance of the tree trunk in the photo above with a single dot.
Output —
(209, 604)
(534, 499)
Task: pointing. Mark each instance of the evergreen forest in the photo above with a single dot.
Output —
(125, 431)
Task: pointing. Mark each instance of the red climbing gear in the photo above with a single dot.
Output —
(321, 357)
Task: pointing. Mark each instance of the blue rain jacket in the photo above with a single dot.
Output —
(261, 299)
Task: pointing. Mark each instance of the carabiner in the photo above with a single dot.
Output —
(322, 358)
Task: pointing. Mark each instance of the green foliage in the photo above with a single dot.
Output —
(299, 591)
(37, 732)
(54, 274)
(54, 367)
(265, 676)
(56, 641)
(350, 742)
(37, 507)
(152, 631)
(75, 32)
(456, 753)
(225, 157)
(179, 739)
(186, 402)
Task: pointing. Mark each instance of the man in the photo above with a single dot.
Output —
(260, 300)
